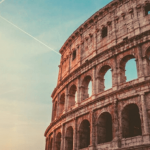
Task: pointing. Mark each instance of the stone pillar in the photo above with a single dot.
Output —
(46, 147)
(144, 114)
(94, 82)
(66, 98)
(115, 75)
(116, 137)
(58, 100)
(54, 136)
(62, 138)
(52, 118)
(92, 131)
(140, 63)
(145, 66)
(75, 135)
(95, 39)
(78, 91)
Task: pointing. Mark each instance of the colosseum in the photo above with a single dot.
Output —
(117, 118)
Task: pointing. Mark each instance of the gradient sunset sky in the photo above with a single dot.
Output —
(29, 70)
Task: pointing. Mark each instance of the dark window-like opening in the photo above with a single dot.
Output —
(86, 88)
(72, 96)
(104, 32)
(74, 55)
(131, 123)
(69, 139)
(147, 66)
(147, 9)
(84, 134)
(104, 128)
(58, 141)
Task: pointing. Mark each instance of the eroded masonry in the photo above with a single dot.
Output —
(113, 119)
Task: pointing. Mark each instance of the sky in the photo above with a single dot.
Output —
(28, 69)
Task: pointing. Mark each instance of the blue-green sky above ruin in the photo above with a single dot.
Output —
(28, 70)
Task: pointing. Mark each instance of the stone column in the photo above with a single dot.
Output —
(145, 66)
(116, 138)
(144, 113)
(58, 99)
(140, 63)
(94, 82)
(75, 135)
(54, 136)
(52, 118)
(92, 131)
(46, 147)
(78, 91)
(62, 138)
(66, 98)
(115, 75)
(95, 39)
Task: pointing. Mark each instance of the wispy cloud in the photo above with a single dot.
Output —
(29, 35)
(2, 1)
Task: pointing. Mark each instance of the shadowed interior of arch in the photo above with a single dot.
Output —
(131, 70)
(131, 123)
(86, 87)
(84, 134)
(69, 139)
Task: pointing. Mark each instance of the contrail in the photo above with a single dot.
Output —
(28, 34)
(2, 1)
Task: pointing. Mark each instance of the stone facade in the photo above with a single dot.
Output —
(114, 119)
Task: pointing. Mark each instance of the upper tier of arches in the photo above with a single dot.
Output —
(93, 82)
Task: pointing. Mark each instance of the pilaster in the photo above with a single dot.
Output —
(144, 113)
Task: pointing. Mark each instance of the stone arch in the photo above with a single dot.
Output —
(58, 141)
(61, 103)
(84, 134)
(104, 128)
(130, 121)
(72, 95)
(122, 64)
(100, 77)
(69, 138)
(84, 88)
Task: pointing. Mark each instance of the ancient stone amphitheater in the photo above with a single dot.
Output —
(113, 119)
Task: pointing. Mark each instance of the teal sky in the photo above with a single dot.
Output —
(29, 70)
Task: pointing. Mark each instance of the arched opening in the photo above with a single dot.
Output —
(90, 89)
(69, 139)
(84, 134)
(104, 128)
(104, 32)
(128, 69)
(105, 78)
(61, 103)
(55, 110)
(51, 142)
(108, 80)
(58, 141)
(131, 123)
(72, 96)
(147, 9)
(86, 87)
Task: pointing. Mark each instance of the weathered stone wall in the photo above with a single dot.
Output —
(117, 118)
